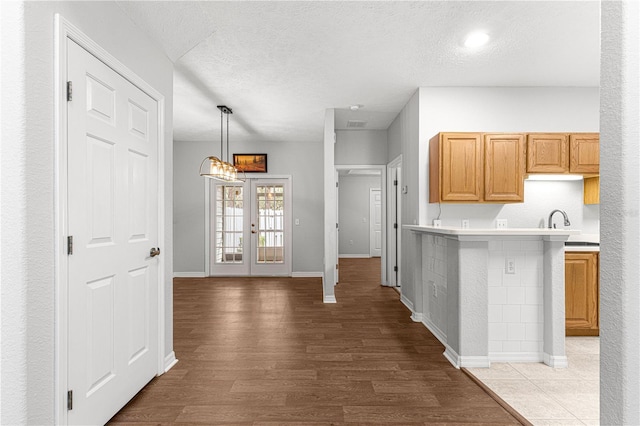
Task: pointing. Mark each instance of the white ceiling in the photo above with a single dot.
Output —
(279, 65)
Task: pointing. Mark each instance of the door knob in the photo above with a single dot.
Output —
(154, 252)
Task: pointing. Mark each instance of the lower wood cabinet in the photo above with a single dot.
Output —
(582, 289)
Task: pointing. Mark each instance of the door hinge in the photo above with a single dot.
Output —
(395, 226)
(70, 244)
(336, 184)
(337, 266)
(70, 400)
(69, 91)
(336, 226)
(395, 182)
(395, 269)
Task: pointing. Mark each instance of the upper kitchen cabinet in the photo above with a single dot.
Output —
(476, 168)
(547, 153)
(585, 153)
(455, 168)
(504, 167)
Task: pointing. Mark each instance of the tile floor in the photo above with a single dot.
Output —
(548, 396)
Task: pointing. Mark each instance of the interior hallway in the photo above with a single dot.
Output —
(268, 351)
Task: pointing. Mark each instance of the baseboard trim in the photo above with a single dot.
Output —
(439, 334)
(169, 361)
(188, 275)
(451, 356)
(330, 299)
(555, 361)
(406, 302)
(354, 256)
(306, 274)
(474, 361)
(515, 357)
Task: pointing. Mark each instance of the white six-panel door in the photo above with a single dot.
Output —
(375, 222)
(113, 218)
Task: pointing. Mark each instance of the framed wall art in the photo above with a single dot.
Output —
(250, 163)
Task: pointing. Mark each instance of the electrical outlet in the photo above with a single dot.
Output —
(510, 265)
(465, 223)
(350, 242)
(435, 290)
(437, 223)
(297, 222)
(501, 223)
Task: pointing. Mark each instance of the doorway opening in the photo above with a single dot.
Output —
(361, 213)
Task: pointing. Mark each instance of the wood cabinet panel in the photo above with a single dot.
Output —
(547, 153)
(581, 294)
(459, 167)
(504, 167)
(585, 153)
(592, 190)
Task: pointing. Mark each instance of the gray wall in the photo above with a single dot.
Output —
(353, 213)
(302, 161)
(361, 147)
(28, 206)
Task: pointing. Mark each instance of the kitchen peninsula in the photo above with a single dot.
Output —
(492, 295)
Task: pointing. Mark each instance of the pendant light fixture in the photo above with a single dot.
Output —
(214, 167)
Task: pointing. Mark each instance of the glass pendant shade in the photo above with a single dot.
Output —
(213, 167)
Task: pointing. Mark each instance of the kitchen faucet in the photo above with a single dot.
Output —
(566, 218)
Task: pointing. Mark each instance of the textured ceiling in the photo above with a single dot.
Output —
(279, 65)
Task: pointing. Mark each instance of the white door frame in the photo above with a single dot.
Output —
(383, 186)
(391, 168)
(65, 30)
(207, 221)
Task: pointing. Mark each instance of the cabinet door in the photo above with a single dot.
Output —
(547, 153)
(581, 294)
(585, 153)
(504, 167)
(460, 166)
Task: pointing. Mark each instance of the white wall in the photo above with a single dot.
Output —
(541, 197)
(403, 132)
(620, 198)
(302, 161)
(501, 109)
(353, 213)
(28, 299)
(361, 147)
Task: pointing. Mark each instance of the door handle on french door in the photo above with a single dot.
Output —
(154, 252)
(253, 228)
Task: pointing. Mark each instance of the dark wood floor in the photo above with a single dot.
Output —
(267, 351)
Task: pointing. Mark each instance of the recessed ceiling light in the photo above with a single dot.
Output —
(355, 107)
(476, 39)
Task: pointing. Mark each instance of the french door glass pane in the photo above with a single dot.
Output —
(270, 242)
(228, 223)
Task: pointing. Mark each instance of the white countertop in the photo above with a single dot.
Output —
(492, 231)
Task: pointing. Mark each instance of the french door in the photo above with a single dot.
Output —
(250, 228)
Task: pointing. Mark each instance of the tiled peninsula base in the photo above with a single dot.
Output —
(492, 295)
